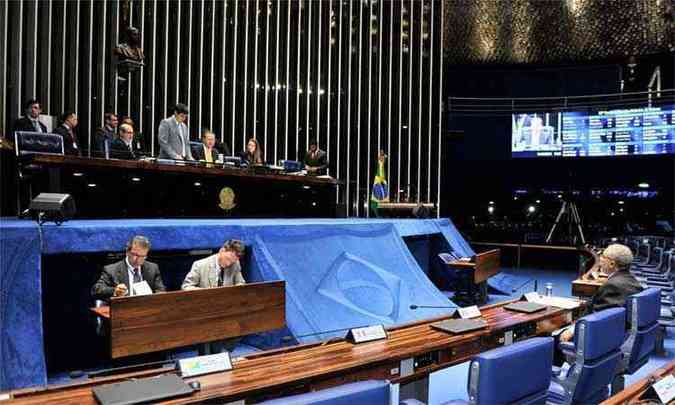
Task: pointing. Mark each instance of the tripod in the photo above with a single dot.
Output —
(570, 211)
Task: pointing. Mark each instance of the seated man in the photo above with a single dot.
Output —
(616, 260)
(118, 278)
(315, 160)
(123, 147)
(219, 270)
(208, 151)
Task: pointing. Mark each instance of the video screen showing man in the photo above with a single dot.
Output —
(535, 132)
(131, 276)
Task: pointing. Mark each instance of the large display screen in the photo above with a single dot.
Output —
(637, 131)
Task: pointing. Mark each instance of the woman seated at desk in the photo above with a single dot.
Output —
(253, 154)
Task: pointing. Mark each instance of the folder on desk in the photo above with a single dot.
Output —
(526, 307)
(142, 390)
(459, 325)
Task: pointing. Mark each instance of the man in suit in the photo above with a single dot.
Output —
(122, 147)
(104, 137)
(315, 160)
(67, 131)
(616, 260)
(219, 270)
(207, 151)
(174, 138)
(117, 279)
(29, 122)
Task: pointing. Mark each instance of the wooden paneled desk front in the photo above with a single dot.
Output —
(309, 367)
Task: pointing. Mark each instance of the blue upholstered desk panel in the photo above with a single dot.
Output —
(359, 269)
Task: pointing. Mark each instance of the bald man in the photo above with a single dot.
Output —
(122, 147)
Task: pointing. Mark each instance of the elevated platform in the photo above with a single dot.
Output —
(358, 271)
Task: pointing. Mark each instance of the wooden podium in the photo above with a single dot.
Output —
(150, 323)
(471, 288)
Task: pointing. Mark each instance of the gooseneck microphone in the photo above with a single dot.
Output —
(432, 306)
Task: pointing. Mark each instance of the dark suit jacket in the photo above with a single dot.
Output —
(117, 273)
(198, 153)
(100, 137)
(120, 150)
(68, 141)
(614, 292)
(24, 124)
(319, 160)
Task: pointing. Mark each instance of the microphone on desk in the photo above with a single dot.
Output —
(432, 306)
(526, 283)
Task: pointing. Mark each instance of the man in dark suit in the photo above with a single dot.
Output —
(122, 147)
(315, 160)
(67, 131)
(118, 278)
(207, 151)
(29, 122)
(615, 261)
(103, 138)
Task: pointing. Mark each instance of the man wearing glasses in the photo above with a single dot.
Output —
(128, 276)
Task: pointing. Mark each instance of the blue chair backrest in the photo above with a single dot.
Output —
(373, 392)
(27, 143)
(597, 339)
(516, 374)
(642, 311)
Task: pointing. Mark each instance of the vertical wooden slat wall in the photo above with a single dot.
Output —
(358, 76)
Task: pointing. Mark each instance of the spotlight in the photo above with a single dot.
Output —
(492, 203)
(643, 185)
(491, 209)
(197, 184)
(53, 207)
(621, 202)
(538, 201)
(531, 209)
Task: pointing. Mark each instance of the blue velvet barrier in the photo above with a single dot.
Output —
(340, 273)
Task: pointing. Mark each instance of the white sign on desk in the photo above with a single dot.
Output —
(665, 388)
(469, 312)
(205, 364)
(368, 333)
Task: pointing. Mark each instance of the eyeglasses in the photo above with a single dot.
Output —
(137, 255)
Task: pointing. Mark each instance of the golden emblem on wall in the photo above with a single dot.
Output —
(226, 197)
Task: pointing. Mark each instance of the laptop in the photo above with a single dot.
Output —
(142, 390)
(524, 306)
(459, 325)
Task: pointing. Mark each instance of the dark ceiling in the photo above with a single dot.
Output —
(554, 31)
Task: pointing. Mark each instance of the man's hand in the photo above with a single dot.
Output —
(120, 290)
(567, 335)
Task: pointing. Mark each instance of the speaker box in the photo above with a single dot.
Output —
(53, 207)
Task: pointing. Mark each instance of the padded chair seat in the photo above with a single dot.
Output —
(373, 392)
(556, 395)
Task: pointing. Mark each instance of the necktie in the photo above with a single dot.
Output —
(106, 147)
(137, 276)
(221, 277)
(37, 126)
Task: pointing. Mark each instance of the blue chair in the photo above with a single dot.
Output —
(642, 311)
(516, 374)
(595, 354)
(373, 392)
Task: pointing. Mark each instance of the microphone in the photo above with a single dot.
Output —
(526, 283)
(431, 306)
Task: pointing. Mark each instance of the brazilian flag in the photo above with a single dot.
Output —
(380, 191)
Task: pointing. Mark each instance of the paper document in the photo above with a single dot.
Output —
(558, 302)
(142, 288)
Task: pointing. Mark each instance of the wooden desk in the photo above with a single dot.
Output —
(586, 288)
(156, 322)
(193, 190)
(632, 393)
(315, 366)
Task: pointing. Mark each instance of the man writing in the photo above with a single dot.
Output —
(118, 279)
(219, 270)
